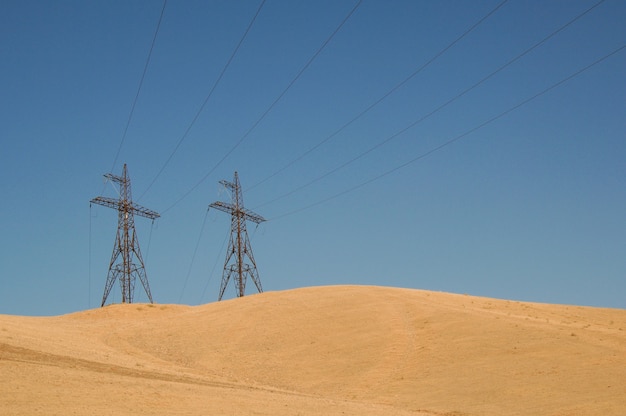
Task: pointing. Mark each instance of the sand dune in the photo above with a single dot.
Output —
(343, 350)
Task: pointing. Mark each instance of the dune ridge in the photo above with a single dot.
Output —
(322, 350)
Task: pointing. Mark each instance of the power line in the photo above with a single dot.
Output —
(450, 101)
(206, 100)
(143, 75)
(193, 257)
(280, 96)
(219, 255)
(89, 270)
(381, 99)
(455, 139)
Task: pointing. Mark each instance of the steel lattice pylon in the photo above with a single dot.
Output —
(126, 243)
(239, 245)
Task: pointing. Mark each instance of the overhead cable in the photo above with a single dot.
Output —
(424, 117)
(381, 99)
(193, 257)
(206, 285)
(267, 111)
(206, 100)
(455, 139)
(143, 75)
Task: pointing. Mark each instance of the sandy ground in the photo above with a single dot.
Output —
(342, 350)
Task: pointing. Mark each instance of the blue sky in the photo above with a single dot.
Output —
(483, 196)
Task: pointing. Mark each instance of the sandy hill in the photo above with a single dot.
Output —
(344, 350)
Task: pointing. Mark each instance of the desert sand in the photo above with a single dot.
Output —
(340, 350)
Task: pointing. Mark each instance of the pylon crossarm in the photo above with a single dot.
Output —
(223, 206)
(114, 178)
(228, 184)
(144, 212)
(231, 208)
(107, 202)
(136, 209)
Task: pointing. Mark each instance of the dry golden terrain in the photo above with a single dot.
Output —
(342, 350)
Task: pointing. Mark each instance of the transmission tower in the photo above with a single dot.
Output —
(239, 245)
(126, 244)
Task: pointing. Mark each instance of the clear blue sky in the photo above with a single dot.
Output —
(527, 204)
